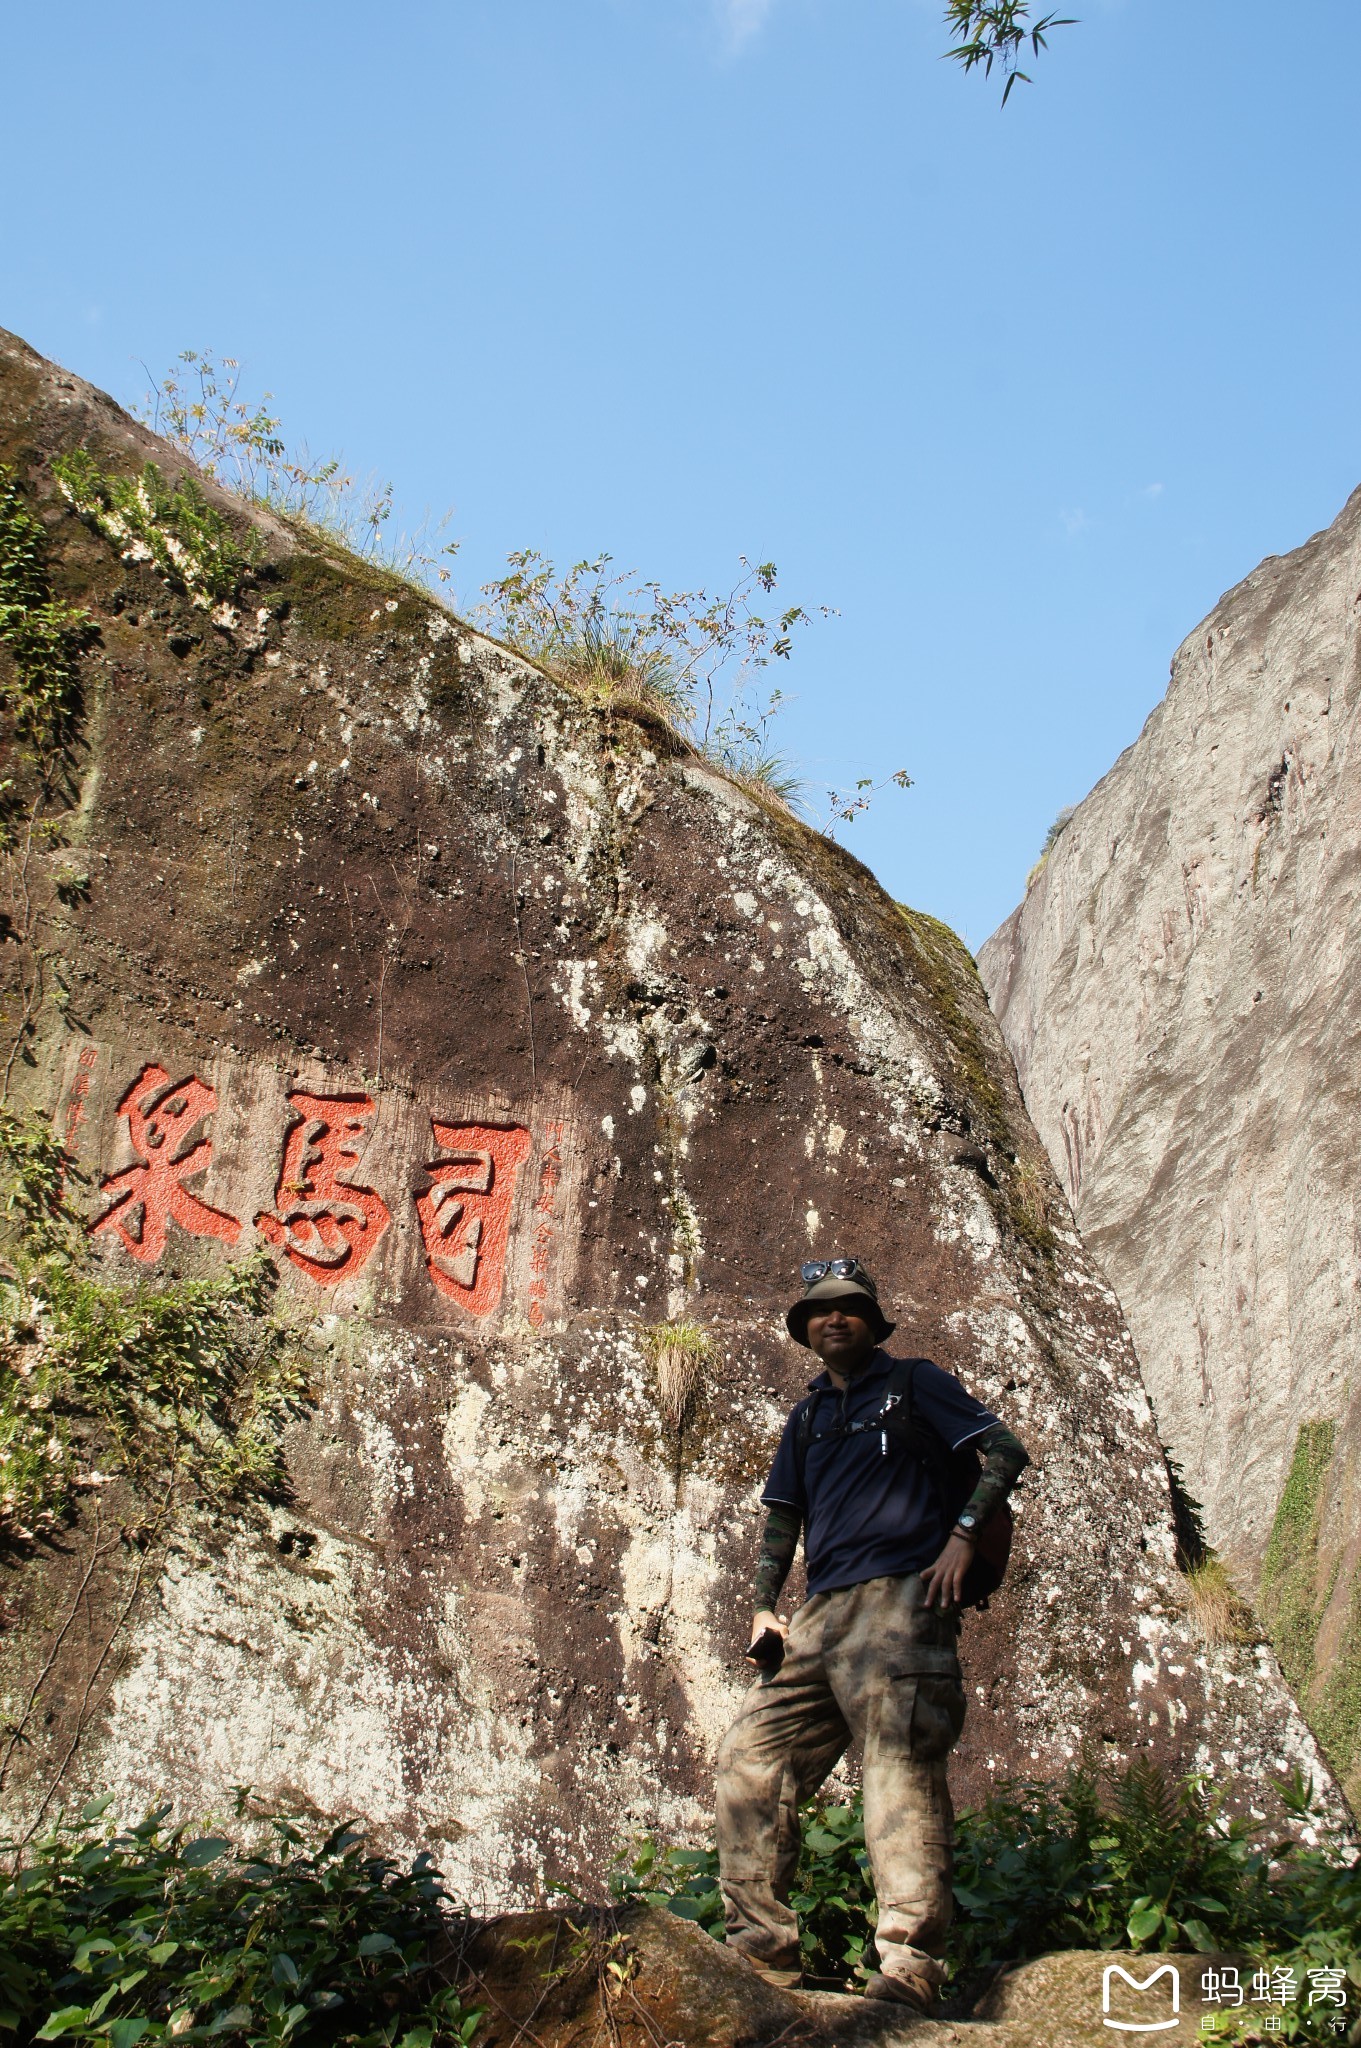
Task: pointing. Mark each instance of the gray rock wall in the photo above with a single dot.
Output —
(1180, 992)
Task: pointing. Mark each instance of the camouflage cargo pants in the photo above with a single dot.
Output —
(873, 1662)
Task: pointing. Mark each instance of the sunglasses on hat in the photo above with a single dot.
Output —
(813, 1270)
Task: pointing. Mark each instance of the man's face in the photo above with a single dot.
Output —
(839, 1334)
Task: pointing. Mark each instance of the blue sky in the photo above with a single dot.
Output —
(1020, 394)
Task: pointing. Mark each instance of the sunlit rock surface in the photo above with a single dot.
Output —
(1180, 992)
(517, 1031)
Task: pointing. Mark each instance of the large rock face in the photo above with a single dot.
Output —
(1180, 992)
(514, 1032)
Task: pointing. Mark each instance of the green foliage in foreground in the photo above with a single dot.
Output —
(112, 1937)
(186, 1387)
(1138, 1862)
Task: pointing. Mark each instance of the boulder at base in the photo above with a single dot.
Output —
(641, 1977)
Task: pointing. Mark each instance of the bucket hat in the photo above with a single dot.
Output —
(855, 1289)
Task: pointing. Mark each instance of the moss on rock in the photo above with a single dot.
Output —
(1300, 1583)
(1290, 1599)
(1335, 1709)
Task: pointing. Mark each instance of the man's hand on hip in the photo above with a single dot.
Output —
(944, 1580)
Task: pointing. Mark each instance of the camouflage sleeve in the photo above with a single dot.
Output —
(1004, 1460)
(779, 1541)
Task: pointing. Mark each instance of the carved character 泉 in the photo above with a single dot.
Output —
(161, 1117)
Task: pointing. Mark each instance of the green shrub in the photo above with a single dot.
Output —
(113, 1936)
(1139, 1861)
(185, 1387)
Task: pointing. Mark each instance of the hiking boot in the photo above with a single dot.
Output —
(916, 1992)
(783, 1980)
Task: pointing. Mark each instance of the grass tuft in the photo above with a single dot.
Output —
(678, 1352)
(1215, 1605)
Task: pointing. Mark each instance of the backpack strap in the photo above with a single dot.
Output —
(895, 1418)
(898, 1415)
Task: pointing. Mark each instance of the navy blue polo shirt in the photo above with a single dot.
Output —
(867, 1515)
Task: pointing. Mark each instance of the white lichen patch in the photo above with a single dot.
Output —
(242, 1665)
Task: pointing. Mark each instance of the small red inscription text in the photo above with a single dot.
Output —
(540, 1256)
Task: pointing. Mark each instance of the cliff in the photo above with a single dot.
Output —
(1179, 992)
(533, 1054)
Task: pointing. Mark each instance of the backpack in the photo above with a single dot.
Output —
(952, 1475)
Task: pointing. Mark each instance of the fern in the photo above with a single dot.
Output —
(187, 539)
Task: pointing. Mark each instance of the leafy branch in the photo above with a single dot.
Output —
(845, 806)
(997, 32)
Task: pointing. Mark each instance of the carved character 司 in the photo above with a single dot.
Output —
(162, 1117)
(327, 1226)
(465, 1212)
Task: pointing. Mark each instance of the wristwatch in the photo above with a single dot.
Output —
(967, 1527)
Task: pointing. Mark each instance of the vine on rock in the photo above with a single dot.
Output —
(44, 638)
(185, 1389)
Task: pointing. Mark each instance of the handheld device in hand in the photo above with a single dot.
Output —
(767, 1650)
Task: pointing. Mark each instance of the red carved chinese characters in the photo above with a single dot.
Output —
(549, 1175)
(327, 1226)
(465, 1213)
(325, 1223)
(161, 1115)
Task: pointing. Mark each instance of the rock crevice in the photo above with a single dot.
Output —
(1179, 992)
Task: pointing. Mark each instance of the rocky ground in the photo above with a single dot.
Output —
(646, 1978)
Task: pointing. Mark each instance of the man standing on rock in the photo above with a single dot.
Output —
(870, 1465)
